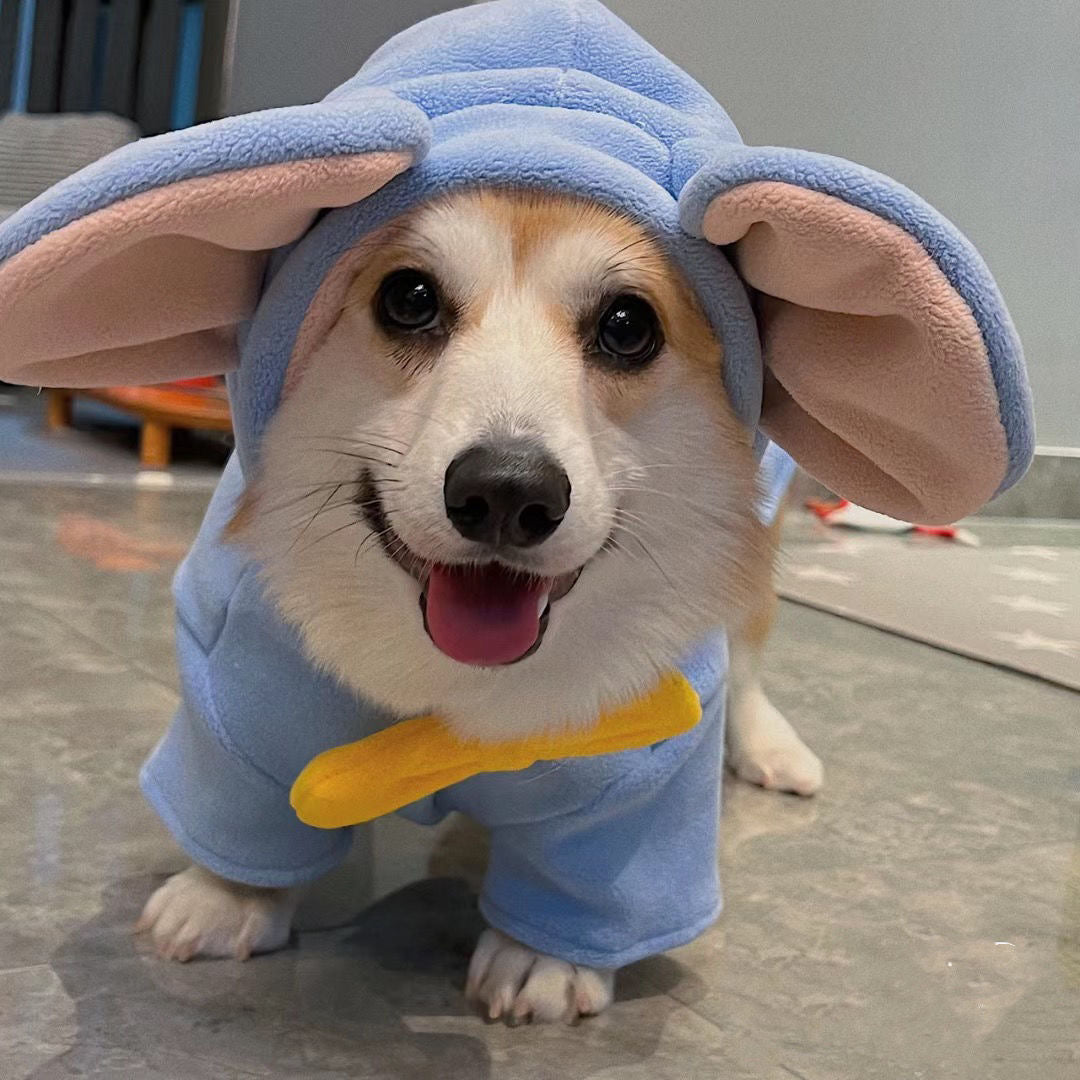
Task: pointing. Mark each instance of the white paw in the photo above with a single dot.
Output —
(514, 983)
(196, 913)
(764, 749)
(794, 768)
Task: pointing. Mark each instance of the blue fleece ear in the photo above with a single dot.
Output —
(139, 267)
(893, 371)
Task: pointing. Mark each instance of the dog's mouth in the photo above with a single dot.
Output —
(488, 614)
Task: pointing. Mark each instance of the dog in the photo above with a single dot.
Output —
(520, 396)
(506, 319)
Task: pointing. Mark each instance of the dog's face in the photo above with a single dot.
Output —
(508, 486)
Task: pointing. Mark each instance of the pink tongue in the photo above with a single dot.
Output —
(484, 615)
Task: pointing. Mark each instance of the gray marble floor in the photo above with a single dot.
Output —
(919, 919)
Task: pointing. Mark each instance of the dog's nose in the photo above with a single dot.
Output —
(509, 492)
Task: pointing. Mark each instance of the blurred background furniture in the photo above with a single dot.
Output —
(195, 404)
(158, 63)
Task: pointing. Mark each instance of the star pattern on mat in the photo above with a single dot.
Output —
(1029, 641)
(1025, 573)
(1032, 604)
(1035, 551)
(821, 573)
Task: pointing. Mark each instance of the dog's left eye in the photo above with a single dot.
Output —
(408, 300)
(628, 334)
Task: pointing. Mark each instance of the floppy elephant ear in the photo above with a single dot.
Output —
(139, 268)
(892, 371)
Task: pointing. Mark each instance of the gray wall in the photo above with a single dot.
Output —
(973, 103)
(286, 52)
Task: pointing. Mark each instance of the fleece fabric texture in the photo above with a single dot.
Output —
(598, 860)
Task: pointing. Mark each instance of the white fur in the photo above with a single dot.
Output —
(196, 913)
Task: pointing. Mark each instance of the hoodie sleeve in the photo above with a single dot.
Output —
(230, 816)
(253, 712)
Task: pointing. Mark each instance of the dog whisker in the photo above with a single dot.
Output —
(351, 442)
(271, 506)
(719, 516)
(351, 523)
(628, 515)
(342, 503)
(368, 539)
(621, 525)
(360, 456)
(309, 492)
(689, 469)
(363, 438)
(638, 242)
(315, 515)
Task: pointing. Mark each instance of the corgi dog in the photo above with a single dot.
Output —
(519, 408)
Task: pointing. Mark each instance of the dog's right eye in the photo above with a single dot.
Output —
(408, 301)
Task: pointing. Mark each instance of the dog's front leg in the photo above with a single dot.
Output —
(196, 913)
(762, 747)
(595, 863)
(507, 979)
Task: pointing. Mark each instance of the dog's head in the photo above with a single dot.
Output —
(508, 484)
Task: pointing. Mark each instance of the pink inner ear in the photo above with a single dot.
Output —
(151, 287)
(879, 381)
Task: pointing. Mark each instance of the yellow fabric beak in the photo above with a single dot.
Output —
(406, 761)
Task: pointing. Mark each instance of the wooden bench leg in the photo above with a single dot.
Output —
(155, 445)
(58, 409)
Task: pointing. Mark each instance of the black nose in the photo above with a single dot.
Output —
(509, 492)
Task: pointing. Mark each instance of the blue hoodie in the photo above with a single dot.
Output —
(600, 861)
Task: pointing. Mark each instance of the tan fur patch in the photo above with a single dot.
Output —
(757, 627)
(380, 253)
(243, 517)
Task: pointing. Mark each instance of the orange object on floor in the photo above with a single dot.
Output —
(198, 404)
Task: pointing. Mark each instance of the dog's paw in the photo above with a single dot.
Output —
(793, 767)
(512, 982)
(764, 749)
(196, 913)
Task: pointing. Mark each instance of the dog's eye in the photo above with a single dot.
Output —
(408, 300)
(628, 333)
